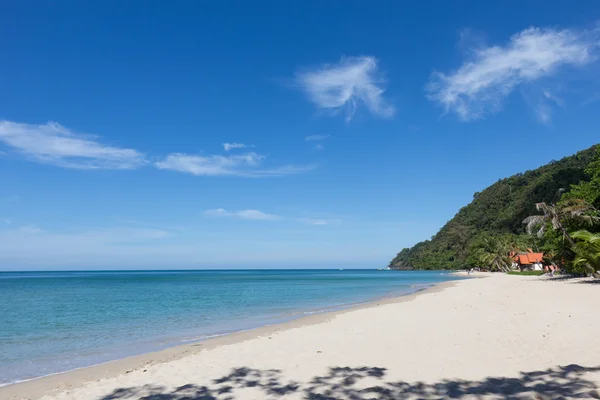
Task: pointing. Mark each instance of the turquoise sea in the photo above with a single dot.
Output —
(57, 321)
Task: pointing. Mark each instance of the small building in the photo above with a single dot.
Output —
(528, 260)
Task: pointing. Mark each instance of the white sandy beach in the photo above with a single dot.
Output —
(497, 337)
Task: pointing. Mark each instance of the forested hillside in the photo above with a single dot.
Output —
(498, 210)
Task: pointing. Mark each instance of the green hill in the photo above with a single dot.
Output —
(499, 209)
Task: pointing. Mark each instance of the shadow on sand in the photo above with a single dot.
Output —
(369, 383)
(580, 280)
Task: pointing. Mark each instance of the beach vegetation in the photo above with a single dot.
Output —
(587, 252)
(588, 189)
(493, 252)
(557, 216)
(546, 210)
(527, 273)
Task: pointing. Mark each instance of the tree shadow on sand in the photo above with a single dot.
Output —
(368, 383)
(580, 280)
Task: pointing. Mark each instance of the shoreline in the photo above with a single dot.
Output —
(502, 336)
(37, 387)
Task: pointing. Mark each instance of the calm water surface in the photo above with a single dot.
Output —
(57, 321)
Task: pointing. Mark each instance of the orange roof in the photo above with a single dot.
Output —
(529, 258)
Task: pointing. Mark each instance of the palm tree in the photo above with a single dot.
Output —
(495, 253)
(587, 251)
(557, 214)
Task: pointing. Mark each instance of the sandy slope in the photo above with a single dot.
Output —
(499, 336)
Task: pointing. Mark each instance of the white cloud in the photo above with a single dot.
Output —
(314, 221)
(248, 165)
(318, 221)
(259, 215)
(54, 144)
(319, 147)
(243, 214)
(313, 138)
(345, 85)
(482, 82)
(229, 146)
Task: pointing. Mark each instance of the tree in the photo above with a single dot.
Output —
(557, 251)
(587, 252)
(588, 190)
(499, 210)
(494, 252)
(557, 215)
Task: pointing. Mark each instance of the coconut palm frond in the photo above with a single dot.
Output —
(556, 214)
(587, 250)
(541, 206)
(533, 222)
(583, 263)
(494, 253)
(555, 222)
(576, 203)
(541, 231)
(588, 219)
(584, 236)
(577, 207)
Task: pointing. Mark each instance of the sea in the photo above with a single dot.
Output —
(52, 322)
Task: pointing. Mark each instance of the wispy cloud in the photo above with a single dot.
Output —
(314, 138)
(345, 85)
(543, 108)
(316, 222)
(229, 146)
(54, 144)
(552, 97)
(263, 216)
(543, 103)
(483, 81)
(319, 147)
(248, 165)
(243, 214)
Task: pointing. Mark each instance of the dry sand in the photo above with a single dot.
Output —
(497, 337)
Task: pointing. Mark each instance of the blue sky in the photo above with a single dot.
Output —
(274, 134)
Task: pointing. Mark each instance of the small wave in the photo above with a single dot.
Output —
(200, 338)
(54, 373)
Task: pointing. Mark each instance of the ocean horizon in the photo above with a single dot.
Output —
(55, 321)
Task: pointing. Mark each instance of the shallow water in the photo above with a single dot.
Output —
(57, 321)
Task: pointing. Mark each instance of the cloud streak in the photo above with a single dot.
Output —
(346, 85)
(316, 222)
(262, 216)
(246, 165)
(242, 214)
(478, 86)
(52, 143)
(314, 138)
(230, 146)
